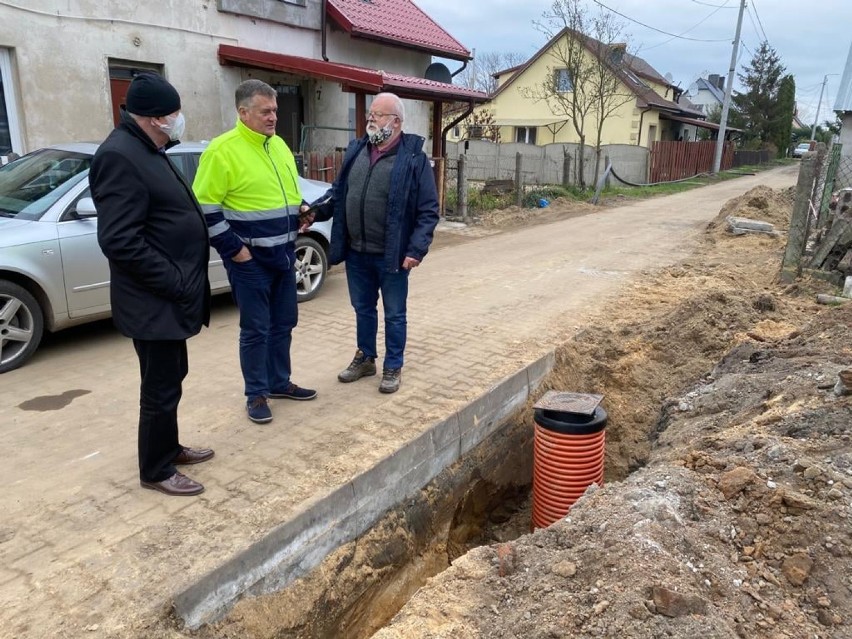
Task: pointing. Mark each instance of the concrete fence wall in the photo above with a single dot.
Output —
(545, 164)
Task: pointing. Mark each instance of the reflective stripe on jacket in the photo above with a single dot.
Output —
(248, 189)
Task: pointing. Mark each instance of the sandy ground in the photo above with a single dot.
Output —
(727, 508)
(85, 552)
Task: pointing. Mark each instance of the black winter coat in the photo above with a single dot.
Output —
(152, 231)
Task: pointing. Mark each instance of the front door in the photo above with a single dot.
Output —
(121, 74)
(289, 124)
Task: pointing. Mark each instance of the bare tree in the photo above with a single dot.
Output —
(479, 73)
(479, 125)
(583, 81)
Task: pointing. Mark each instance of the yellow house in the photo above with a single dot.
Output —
(646, 108)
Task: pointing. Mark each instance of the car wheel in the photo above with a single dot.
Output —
(21, 325)
(311, 267)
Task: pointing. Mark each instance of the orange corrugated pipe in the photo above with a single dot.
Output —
(568, 457)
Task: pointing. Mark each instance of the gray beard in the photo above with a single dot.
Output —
(377, 137)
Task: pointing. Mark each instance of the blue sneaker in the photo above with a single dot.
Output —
(258, 410)
(294, 392)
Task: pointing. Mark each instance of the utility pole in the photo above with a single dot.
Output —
(726, 105)
(819, 104)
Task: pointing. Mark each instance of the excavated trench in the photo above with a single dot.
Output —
(671, 332)
(484, 498)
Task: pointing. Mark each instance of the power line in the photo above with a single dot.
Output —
(753, 23)
(695, 26)
(648, 26)
(707, 4)
(757, 15)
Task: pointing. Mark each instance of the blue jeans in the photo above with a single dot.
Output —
(268, 314)
(366, 276)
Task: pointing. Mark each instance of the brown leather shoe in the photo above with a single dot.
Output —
(178, 485)
(193, 455)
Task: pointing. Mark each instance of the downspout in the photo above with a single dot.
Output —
(323, 19)
(451, 125)
(641, 118)
(457, 71)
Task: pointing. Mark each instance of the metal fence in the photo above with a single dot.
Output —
(547, 164)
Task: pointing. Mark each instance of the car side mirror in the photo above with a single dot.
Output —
(85, 208)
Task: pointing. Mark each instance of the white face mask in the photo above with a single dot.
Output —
(377, 135)
(174, 126)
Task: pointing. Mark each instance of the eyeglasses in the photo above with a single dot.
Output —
(376, 115)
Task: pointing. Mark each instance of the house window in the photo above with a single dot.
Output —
(10, 132)
(475, 131)
(525, 134)
(562, 81)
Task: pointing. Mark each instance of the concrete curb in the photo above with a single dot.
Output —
(300, 544)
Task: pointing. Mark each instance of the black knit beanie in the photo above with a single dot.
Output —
(151, 94)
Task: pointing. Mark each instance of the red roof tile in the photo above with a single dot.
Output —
(412, 86)
(399, 22)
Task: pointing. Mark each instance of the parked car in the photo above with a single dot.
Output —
(801, 149)
(52, 272)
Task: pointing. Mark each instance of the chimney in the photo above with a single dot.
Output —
(713, 79)
(616, 53)
(720, 82)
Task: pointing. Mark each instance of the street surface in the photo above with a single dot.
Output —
(82, 546)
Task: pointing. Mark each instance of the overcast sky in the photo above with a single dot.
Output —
(812, 37)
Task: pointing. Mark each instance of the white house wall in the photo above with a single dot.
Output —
(60, 50)
(334, 109)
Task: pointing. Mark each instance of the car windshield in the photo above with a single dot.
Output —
(30, 185)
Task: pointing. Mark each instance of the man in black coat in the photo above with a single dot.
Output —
(152, 231)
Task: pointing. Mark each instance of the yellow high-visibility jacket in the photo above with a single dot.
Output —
(248, 189)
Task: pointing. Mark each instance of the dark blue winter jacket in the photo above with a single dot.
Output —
(412, 208)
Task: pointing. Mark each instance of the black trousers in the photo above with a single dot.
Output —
(163, 365)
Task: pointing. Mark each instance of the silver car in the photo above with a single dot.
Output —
(52, 272)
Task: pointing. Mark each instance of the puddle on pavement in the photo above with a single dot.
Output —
(46, 403)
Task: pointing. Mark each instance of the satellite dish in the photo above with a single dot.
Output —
(669, 77)
(438, 72)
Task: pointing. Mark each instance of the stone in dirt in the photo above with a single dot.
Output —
(674, 604)
(735, 481)
(797, 568)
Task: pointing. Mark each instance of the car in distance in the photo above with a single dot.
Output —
(52, 272)
(801, 149)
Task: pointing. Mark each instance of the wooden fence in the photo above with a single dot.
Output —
(677, 160)
(320, 166)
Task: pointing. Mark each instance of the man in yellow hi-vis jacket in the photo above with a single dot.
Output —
(248, 189)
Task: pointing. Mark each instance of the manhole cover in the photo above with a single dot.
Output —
(564, 402)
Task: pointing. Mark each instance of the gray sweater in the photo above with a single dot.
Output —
(367, 201)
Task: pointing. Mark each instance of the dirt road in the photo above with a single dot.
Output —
(83, 548)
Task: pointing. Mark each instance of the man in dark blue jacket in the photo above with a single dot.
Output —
(152, 231)
(385, 209)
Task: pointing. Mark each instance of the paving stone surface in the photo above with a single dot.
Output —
(81, 545)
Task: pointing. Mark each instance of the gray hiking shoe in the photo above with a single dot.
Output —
(390, 380)
(361, 366)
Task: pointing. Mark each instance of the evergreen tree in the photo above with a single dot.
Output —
(757, 108)
(784, 121)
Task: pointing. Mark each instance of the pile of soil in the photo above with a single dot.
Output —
(726, 507)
